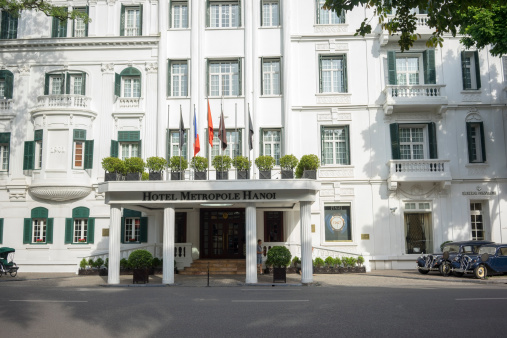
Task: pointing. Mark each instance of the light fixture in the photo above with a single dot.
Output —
(216, 204)
(393, 209)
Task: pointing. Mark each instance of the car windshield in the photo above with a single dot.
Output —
(487, 249)
(468, 249)
(451, 248)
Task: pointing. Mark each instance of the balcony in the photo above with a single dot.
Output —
(6, 104)
(421, 24)
(66, 101)
(406, 98)
(433, 170)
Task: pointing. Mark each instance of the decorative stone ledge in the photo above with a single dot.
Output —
(60, 193)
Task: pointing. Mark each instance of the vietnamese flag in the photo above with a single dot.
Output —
(210, 127)
(197, 146)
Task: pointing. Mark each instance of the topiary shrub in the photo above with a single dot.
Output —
(113, 165)
(278, 257)
(145, 176)
(307, 162)
(337, 261)
(199, 163)
(178, 164)
(156, 262)
(296, 261)
(265, 162)
(241, 163)
(329, 261)
(124, 263)
(91, 263)
(134, 165)
(99, 262)
(156, 164)
(140, 259)
(222, 162)
(83, 263)
(288, 162)
(360, 260)
(318, 262)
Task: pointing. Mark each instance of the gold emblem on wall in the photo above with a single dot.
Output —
(225, 215)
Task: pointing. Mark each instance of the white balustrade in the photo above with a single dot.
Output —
(126, 103)
(64, 101)
(421, 91)
(6, 104)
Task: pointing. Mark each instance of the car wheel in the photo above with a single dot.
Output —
(458, 274)
(14, 272)
(423, 272)
(480, 272)
(445, 269)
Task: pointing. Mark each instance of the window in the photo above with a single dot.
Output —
(173, 144)
(9, 26)
(80, 229)
(134, 228)
(39, 228)
(234, 144)
(5, 142)
(271, 142)
(335, 145)
(273, 226)
(128, 83)
(82, 150)
(406, 69)
(180, 227)
(477, 221)
(328, 17)
(73, 83)
(179, 14)
(412, 142)
(6, 84)
(270, 13)
(270, 76)
(79, 27)
(128, 145)
(476, 144)
(333, 73)
(224, 14)
(224, 78)
(470, 70)
(337, 222)
(131, 21)
(418, 233)
(59, 27)
(32, 158)
(178, 78)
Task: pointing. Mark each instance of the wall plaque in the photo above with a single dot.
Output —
(365, 236)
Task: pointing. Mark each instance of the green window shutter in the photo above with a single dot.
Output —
(63, 26)
(320, 73)
(9, 84)
(240, 75)
(322, 131)
(39, 212)
(6, 139)
(239, 13)
(79, 134)
(88, 155)
(129, 136)
(347, 137)
(345, 83)
(29, 155)
(37, 135)
(168, 144)
(1, 230)
(208, 86)
(463, 66)
(143, 231)
(3, 28)
(140, 145)
(477, 70)
(55, 26)
(117, 84)
(86, 25)
(83, 87)
(240, 141)
(391, 67)
(483, 144)
(49, 231)
(261, 141)
(262, 68)
(395, 141)
(67, 85)
(131, 213)
(123, 229)
(281, 76)
(122, 20)
(27, 231)
(432, 135)
(429, 66)
(169, 77)
(208, 13)
(317, 10)
(69, 230)
(80, 212)
(62, 87)
(114, 148)
(140, 31)
(170, 23)
(46, 85)
(91, 230)
(469, 142)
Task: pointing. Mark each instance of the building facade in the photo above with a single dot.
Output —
(412, 145)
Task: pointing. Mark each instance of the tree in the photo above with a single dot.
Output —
(481, 22)
(14, 7)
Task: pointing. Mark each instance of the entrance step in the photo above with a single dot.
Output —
(216, 267)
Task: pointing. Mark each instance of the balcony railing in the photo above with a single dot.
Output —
(128, 103)
(406, 97)
(6, 104)
(419, 171)
(64, 101)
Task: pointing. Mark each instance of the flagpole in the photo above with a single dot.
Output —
(195, 127)
(248, 132)
(207, 141)
(167, 139)
(181, 141)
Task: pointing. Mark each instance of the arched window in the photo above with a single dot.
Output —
(38, 229)
(128, 83)
(6, 84)
(80, 229)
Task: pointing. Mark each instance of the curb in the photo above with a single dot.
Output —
(447, 279)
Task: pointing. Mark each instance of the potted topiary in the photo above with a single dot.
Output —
(222, 164)
(242, 165)
(114, 168)
(265, 163)
(134, 167)
(199, 164)
(307, 167)
(155, 167)
(145, 176)
(140, 261)
(178, 165)
(279, 257)
(288, 163)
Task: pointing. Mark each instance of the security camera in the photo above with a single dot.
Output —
(393, 209)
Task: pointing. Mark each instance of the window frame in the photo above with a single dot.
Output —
(329, 215)
(473, 68)
(428, 67)
(412, 143)
(420, 69)
(342, 71)
(278, 16)
(331, 15)
(215, 149)
(262, 148)
(183, 79)
(474, 228)
(66, 86)
(272, 87)
(119, 81)
(221, 14)
(80, 214)
(171, 143)
(432, 145)
(172, 12)
(476, 154)
(59, 27)
(39, 214)
(124, 20)
(7, 79)
(346, 129)
(5, 151)
(126, 138)
(142, 236)
(75, 22)
(231, 75)
(9, 26)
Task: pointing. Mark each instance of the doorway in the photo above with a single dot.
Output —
(222, 233)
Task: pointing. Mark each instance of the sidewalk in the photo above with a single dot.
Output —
(384, 278)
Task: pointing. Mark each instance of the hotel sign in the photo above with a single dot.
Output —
(245, 195)
(479, 193)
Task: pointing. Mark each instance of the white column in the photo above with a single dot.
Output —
(306, 242)
(150, 105)
(106, 127)
(113, 271)
(161, 109)
(251, 244)
(168, 246)
(287, 76)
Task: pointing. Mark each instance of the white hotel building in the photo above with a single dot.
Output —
(412, 145)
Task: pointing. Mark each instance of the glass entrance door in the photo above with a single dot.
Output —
(222, 233)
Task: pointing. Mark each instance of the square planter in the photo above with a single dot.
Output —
(310, 174)
(141, 276)
(155, 176)
(200, 175)
(112, 177)
(265, 174)
(243, 174)
(287, 174)
(222, 175)
(133, 177)
(177, 175)
(279, 275)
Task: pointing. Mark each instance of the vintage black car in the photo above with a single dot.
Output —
(490, 260)
(442, 261)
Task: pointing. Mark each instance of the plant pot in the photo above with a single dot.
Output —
(140, 275)
(200, 175)
(310, 174)
(133, 177)
(279, 275)
(155, 176)
(265, 174)
(177, 176)
(243, 174)
(222, 175)
(112, 177)
(287, 174)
